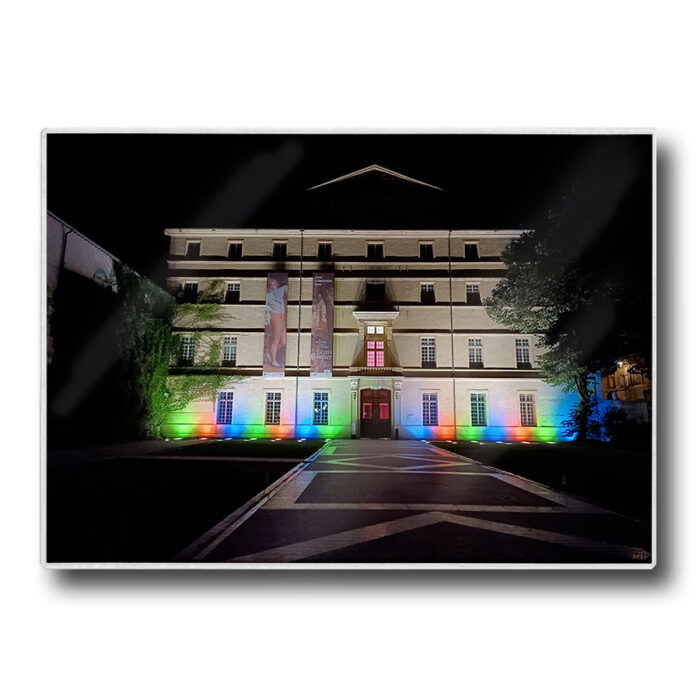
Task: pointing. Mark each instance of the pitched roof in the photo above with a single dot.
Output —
(376, 169)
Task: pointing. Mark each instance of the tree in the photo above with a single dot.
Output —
(144, 337)
(581, 281)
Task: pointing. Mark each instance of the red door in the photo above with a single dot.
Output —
(375, 413)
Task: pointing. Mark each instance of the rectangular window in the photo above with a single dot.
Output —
(233, 293)
(426, 251)
(427, 353)
(471, 251)
(367, 411)
(193, 249)
(478, 409)
(279, 251)
(235, 251)
(527, 410)
(384, 411)
(427, 293)
(224, 411)
(473, 295)
(187, 351)
(375, 251)
(320, 408)
(375, 353)
(476, 358)
(229, 351)
(325, 251)
(522, 353)
(190, 292)
(375, 292)
(273, 405)
(430, 409)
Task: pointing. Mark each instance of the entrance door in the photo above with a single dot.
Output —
(375, 413)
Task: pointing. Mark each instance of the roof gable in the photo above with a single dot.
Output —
(376, 170)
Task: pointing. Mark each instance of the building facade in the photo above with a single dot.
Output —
(376, 333)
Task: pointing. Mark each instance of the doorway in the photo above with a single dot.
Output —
(375, 413)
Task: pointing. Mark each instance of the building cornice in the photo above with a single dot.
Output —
(373, 233)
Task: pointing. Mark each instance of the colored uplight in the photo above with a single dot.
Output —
(504, 425)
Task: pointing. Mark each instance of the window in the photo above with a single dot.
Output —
(233, 293)
(471, 251)
(320, 408)
(325, 251)
(522, 353)
(235, 251)
(375, 292)
(193, 249)
(478, 409)
(430, 409)
(190, 292)
(375, 251)
(187, 351)
(279, 251)
(378, 330)
(383, 411)
(375, 353)
(527, 410)
(473, 295)
(426, 251)
(229, 351)
(476, 359)
(427, 293)
(273, 404)
(427, 353)
(367, 411)
(224, 411)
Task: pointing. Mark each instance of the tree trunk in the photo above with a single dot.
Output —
(584, 409)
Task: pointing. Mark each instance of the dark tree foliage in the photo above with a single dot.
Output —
(582, 280)
(144, 334)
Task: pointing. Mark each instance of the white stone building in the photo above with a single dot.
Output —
(415, 355)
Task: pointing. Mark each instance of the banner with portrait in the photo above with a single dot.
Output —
(275, 347)
(322, 325)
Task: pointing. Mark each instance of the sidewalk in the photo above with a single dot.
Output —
(373, 501)
(101, 453)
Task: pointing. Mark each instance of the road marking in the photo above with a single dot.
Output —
(328, 543)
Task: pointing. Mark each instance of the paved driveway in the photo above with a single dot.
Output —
(384, 501)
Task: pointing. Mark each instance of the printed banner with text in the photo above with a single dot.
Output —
(322, 325)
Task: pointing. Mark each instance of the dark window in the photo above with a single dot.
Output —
(473, 295)
(235, 251)
(325, 252)
(375, 251)
(233, 293)
(427, 293)
(279, 251)
(471, 251)
(193, 249)
(426, 251)
(190, 292)
(375, 292)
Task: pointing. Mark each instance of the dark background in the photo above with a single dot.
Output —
(123, 190)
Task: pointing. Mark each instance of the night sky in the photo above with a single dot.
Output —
(122, 190)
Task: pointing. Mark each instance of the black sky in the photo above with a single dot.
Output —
(122, 190)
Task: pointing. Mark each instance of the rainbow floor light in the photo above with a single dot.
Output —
(505, 426)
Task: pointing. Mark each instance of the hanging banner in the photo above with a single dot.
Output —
(322, 325)
(275, 349)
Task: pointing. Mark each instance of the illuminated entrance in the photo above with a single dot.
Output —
(375, 413)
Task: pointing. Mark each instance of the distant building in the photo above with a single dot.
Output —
(628, 382)
(359, 332)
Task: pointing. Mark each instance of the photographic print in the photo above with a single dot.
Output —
(349, 350)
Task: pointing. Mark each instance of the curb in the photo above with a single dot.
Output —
(212, 537)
